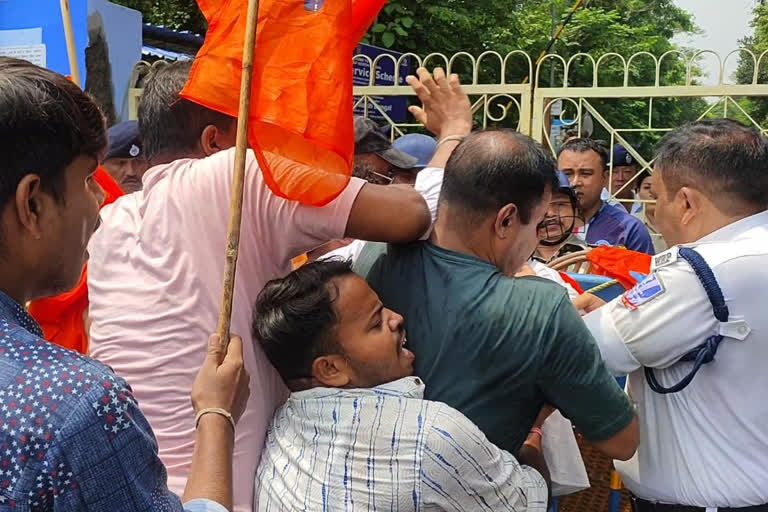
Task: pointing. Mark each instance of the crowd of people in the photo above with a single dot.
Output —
(405, 347)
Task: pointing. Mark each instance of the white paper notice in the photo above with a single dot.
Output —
(21, 37)
(33, 53)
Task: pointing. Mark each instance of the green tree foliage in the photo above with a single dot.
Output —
(757, 108)
(475, 26)
(176, 14)
(602, 26)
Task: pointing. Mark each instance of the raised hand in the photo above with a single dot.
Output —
(446, 109)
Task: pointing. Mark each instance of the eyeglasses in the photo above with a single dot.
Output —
(377, 178)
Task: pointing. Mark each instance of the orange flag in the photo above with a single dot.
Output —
(300, 125)
(619, 263)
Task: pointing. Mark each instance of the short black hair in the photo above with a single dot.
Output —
(724, 159)
(490, 169)
(168, 123)
(294, 317)
(46, 122)
(585, 144)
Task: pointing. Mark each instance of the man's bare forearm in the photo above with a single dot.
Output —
(210, 476)
(531, 454)
(443, 153)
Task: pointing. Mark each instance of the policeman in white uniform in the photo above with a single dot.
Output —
(693, 336)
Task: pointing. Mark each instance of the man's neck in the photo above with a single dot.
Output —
(547, 252)
(459, 241)
(16, 279)
(303, 384)
(167, 158)
(591, 212)
(15, 288)
(625, 195)
(716, 223)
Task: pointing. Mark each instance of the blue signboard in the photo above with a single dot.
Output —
(46, 15)
(396, 107)
(26, 24)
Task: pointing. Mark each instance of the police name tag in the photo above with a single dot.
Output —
(664, 258)
(645, 291)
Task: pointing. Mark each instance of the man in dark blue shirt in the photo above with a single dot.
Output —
(72, 436)
(585, 162)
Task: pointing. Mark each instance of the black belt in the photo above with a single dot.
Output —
(640, 505)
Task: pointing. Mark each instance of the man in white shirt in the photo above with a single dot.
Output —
(356, 431)
(703, 442)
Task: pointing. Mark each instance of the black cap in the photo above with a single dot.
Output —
(369, 139)
(124, 140)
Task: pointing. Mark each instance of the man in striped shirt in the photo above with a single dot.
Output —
(356, 433)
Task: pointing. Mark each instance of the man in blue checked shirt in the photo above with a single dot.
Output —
(72, 437)
(356, 432)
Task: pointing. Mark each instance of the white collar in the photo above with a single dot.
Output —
(732, 230)
(408, 387)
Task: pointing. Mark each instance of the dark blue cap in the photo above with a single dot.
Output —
(622, 157)
(419, 146)
(562, 179)
(124, 140)
(565, 186)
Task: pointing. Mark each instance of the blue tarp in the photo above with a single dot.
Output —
(588, 281)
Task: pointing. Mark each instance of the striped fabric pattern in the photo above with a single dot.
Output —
(387, 449)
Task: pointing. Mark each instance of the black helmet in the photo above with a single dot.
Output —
(555, 229)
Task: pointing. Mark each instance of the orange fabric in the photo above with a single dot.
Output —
(571, 281)
(110, 187)
(298, 261)
(617, 262)
(363, 14)
(300, 121)
(61, 316)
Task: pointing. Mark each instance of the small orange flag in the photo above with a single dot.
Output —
(301, 124)
(619, 263)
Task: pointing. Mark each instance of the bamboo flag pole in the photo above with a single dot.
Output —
(550, 44)
(236, 207)
(556, 36)
(69, 36)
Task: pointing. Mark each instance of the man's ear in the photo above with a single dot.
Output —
(30, 201)
(209, 140)
(691, 203)
(331, 371)
(507, 220)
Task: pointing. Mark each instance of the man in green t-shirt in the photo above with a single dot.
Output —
(494, 347)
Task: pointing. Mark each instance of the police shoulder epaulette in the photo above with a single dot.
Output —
(664, 258)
